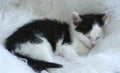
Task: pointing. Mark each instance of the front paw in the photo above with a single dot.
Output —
(67, 52)
(88, 44)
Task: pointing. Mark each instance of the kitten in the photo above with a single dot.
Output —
(38, 40)
(88, 28)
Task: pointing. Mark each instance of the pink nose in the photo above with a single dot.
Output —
(93, 44)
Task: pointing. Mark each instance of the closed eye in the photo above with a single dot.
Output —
(97, 38)
(89, 37)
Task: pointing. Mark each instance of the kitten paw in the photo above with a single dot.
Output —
(67, 52)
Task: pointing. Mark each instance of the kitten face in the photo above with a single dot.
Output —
(89, 25)
(95, 34)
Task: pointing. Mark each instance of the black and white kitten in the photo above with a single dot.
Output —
(88, 29)
(38, 40)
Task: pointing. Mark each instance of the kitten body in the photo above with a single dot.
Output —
(38, 40)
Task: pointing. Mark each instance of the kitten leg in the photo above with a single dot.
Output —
(67, 51)
(40, 51)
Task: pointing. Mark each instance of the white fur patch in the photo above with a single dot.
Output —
(96, 34)
(41, 51)
(96, 31)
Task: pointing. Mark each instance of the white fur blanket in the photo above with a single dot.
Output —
(105, 58)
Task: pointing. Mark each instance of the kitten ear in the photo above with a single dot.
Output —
(75, 18)
(101, 18)
(104, 17)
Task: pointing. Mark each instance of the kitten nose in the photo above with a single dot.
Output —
(93, 44)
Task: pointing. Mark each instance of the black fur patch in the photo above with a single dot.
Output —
(52, 30)
(87, 22)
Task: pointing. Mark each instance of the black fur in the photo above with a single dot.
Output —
(52, 30)
(87, 22)
(39, 65)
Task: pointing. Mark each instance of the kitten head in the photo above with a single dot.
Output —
(89, 25)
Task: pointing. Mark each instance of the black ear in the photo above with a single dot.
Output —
(101, 18)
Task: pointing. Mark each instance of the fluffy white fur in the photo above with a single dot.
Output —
(105, 58)
(11, 64)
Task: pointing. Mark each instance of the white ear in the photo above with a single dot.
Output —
(75, 18)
